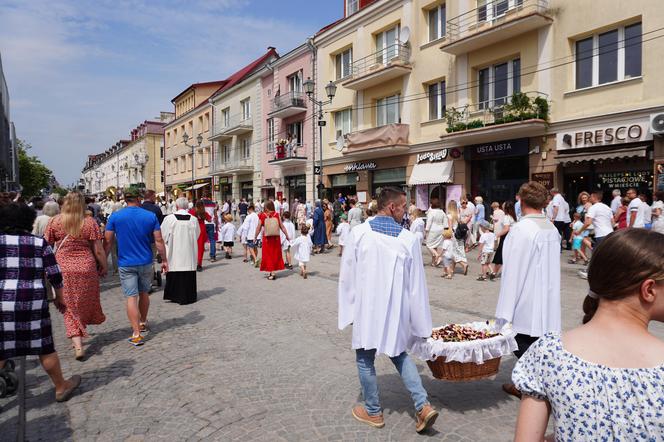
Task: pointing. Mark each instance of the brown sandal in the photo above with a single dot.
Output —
(66, 395)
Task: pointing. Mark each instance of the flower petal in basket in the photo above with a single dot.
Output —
(477, 351)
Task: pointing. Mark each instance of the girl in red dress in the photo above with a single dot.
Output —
(272, 259)
(202, 216)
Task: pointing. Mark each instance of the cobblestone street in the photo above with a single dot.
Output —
(261, 360)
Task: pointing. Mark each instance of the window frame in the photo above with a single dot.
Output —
(349, 10)
(245, 105)
(295, 81)
(621, 54)
(341, 123)
(270, 135)
(245, 146)
(382, 105)
(440, 100)
(441, 22)
(340, 67)
(491, 100)
(384, 53)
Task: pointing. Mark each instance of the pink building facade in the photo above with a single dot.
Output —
(288, 119)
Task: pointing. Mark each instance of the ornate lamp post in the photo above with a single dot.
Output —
(199, 140)
(330, 90)
(141, 159)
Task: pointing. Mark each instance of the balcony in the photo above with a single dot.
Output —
(285, 106)
(286, 156)
(519, 116)
(237, 125)
(378, 141)
(233, 163)
(385, 65)
(495, 21)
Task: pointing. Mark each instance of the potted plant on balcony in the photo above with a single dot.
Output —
(280, 149)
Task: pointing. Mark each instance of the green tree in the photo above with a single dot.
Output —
(34, 176)
(61, 191)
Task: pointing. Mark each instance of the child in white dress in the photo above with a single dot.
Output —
(417, 226)
(448, 254)
(242, 233)
(228, 234)
(286, 245)
(343, 230)
(302, 247)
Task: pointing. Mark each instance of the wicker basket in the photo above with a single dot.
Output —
(463, 371)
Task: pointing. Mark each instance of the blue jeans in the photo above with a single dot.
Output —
(136, 279)
(209, 228)
(406, 368)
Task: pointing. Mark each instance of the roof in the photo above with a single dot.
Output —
(245, 71)
(195, 85)
(363, 5)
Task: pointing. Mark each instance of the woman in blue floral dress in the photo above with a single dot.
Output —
(603, 381)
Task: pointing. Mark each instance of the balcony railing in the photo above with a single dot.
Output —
(235, 125)
(390, 62)
(233, 161)
(284, 106)
(287, 154)
(513, 16)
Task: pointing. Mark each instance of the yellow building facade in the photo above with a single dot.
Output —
(186, 165)
(449, 98)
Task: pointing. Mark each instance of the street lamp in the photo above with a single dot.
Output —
(199, 140)
(331, 90)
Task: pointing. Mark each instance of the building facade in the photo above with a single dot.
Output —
(9, 176)
(289, 136)
(186, 164)
(449, 98)
(238, 132)
(136, 162)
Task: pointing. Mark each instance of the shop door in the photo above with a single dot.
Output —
(499, 179)
(388, 178)
(439, 192)
(297, 188)
(344, 184)
(247, 189)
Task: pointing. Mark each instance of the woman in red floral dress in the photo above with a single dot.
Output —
(202, 216)
(81, 257)
(272, 259)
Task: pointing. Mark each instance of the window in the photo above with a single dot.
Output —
(295, 130)
(498, 82)
(206, 123)
(295, 82)
(343, 122)
(161, 151)
(437, 22)
(610, 56)
(343, 62)
(189, 162)
(169, 171)
(225, 153)
(437, 100)
(488, 10)
(245, 148)
(225, 117)
(162, 176)
(387, 45)
(270, 135)
(246, 109)
(200, 123)
(352, 6)
(387, 110)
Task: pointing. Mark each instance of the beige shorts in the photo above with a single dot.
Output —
(486, 258)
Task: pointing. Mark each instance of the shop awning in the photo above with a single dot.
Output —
(432, 173)
(615, 154)
(197, 186)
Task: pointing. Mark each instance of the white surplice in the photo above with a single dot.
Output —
(383, 291)
(181, 238)
(530, 284)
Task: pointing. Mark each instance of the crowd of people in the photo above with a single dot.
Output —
(58, 249)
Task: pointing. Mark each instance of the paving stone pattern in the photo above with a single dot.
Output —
(261, 360)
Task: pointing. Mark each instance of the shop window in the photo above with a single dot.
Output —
(498, 82)
(387, 110)
(436, 100)
(343, 62)
(610, 56)
(387, 45)
(437, 22)
(343, 122)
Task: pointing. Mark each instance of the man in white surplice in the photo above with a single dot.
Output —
(530, 284)
(383, 294)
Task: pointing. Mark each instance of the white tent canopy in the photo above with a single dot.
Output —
(432, 173)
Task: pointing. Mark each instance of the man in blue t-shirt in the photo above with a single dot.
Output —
(135, 230)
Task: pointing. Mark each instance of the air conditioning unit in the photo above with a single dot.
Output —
(657, 124)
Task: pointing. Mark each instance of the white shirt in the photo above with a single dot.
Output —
(290, 228)
(601, 216)
(559, 202)
(530, 286)
(227, 232)
(647, 213)
(343, 230)
(636, 206)
(566, 217)
(615, 204)
(252, 222)
(417, 227)
(488, 239)
(383, 291)
(277, 206)
(284, 206)
(448, 249)
(497, 218)
(181, 240)
(301, 247)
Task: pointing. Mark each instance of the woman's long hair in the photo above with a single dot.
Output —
(73, 213)
(453, 211)
(200, 210)
(508, 208)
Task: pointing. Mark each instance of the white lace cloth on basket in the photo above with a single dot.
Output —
(476, 351)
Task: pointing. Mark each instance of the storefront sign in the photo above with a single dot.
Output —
(604, 136)
(354, 167)
(544, 178)
(432, 156)
(624, 180)
(509, 148)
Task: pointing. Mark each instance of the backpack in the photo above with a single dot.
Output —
(461, 231)
(271, 226)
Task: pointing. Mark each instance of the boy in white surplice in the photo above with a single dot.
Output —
(383, 294)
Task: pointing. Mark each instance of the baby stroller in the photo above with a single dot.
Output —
(8, 379)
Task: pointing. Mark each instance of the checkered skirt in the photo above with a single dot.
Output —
(25, 322)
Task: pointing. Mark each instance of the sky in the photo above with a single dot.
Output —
(83, 73)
